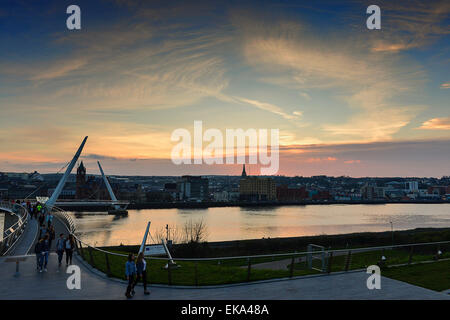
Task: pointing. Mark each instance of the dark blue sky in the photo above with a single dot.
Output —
(137, 70)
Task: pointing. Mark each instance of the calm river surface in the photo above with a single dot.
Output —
(235, 223)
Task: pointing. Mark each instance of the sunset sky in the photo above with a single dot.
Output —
(347, 100)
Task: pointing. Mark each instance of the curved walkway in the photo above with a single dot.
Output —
(25, 244)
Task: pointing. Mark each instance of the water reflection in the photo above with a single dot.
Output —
(231, 223)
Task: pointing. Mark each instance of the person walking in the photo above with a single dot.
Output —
(60, 246)
(41, 219)
(35, 211)
(39, 257)
(49, 219)
(42, 231)
(52, 235)
(141, 270)
(69, 244)
(130, 272)
(46, 250)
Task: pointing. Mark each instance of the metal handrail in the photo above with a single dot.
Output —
(11, 207)
(10, 239)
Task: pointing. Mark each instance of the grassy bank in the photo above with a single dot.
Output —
(193, 273)
(434, 276)
(214, 272)
(299, 244)
(220, 271)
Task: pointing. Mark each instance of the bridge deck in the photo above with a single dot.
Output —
(25, 244)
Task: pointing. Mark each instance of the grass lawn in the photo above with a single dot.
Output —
(193, 273)
(360, 260)
(215, 272)
(434, 276)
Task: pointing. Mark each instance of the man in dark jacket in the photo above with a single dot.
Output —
(38, 250)
(45, 250)
(41, 219)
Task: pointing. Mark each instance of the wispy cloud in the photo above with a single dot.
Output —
(289, 53)
(445, 85)
(58, 70)
(311, 160)
(352, 161)
(271, 108)
(436, 124)
(411, 24)
(128, 66)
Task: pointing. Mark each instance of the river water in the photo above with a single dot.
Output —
(233, 223)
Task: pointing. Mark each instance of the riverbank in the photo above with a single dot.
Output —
(299, 244)
(262, 204)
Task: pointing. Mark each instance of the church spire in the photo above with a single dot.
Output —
(244, 174)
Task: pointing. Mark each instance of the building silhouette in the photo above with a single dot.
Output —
(256, 188)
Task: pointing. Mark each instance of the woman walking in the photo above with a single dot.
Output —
(141, 269)
(60, 248)
(130, 272)
(69, 249)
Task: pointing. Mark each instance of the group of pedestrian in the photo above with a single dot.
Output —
(46, 236)
(35, 210)
(43, 247)
(65, 245)
(135, 271)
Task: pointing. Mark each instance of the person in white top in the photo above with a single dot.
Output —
(141, 270)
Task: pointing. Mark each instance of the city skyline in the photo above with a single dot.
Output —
(347, 100)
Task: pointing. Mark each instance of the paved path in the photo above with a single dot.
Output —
(52, 285)
(30, 237)
(25, 244)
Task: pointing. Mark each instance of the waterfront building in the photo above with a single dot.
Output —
(284, 193)
(221, 196)
(193, 188)
(171, 188)
(372, 192)
(244, 174)
(88, 187)
(81, 182)
(412, 186)
(257, 188)
(437, 190)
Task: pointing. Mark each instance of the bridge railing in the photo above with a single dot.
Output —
(237, 269)
(11, 235)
